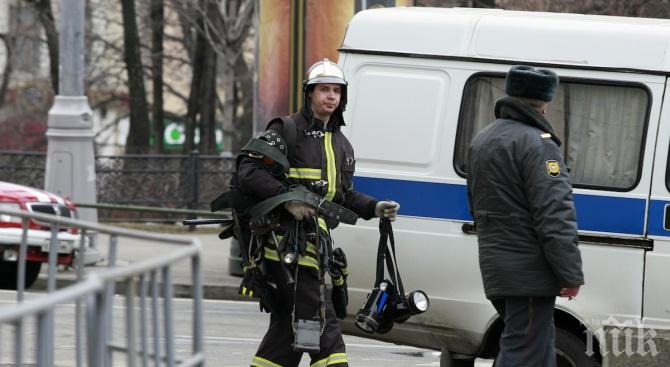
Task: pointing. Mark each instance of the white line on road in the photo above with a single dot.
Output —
(256, 340)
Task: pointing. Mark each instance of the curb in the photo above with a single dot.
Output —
(228, 292)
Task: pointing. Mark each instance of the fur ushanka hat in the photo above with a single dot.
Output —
(526, 81)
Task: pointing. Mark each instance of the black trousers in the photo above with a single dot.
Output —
(276, 348)
(529, 337)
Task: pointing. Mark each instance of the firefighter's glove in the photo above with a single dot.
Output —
(254, 285)
(387, 209)
(339, 294)
(339, 273)
(340, 260)
(299, 210)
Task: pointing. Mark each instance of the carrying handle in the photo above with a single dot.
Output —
(388, 256)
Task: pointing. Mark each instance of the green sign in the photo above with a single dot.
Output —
(174, 136)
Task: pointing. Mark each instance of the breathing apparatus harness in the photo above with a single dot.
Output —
(387, 303)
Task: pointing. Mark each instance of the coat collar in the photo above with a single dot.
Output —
(512, 108)
(317, 125)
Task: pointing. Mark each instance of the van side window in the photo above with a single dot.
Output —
(602, 127)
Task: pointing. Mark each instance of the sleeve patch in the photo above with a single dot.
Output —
(545, 136)
(553, 168)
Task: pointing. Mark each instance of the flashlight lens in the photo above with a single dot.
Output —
(419, 301)
(289, 258)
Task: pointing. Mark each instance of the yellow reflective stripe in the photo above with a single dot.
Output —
(322, 224)
(262, 362)
(344, 271)
(309, 262)
(311, 248)
(338, 281)
(334, 358)
(331, 170)
(271, 254)
(305, 173)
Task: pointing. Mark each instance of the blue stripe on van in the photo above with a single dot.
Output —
(656, 213)
(610, 214)
(449, 201)
(420, 199)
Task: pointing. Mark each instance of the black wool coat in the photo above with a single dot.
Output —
(521, 199)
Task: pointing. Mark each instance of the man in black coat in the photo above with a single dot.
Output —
(521, 199)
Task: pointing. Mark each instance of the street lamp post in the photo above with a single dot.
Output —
(70, 166)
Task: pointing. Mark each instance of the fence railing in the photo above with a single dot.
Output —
(168, 180)
(149, 280)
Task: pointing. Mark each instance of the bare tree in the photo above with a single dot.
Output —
(7, 72)
(220, 29)
(46, 19)
(138, 135)
(233, 24)
(197, 25)
(157, 26)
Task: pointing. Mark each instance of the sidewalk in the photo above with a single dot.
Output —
(217, 282)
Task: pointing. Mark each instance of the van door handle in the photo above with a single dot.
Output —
(469, 228)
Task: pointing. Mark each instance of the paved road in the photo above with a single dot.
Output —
(233, 331)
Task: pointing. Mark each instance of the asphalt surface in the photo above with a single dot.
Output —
(218, 284)
(232, 334)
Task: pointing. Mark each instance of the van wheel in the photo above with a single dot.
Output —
(449, 360)
(571, 351)
(8, 276)
(463, 363)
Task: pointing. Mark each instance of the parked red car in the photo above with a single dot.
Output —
(19, 197)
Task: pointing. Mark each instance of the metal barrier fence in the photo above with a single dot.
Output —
(169, 180)
(93, 297)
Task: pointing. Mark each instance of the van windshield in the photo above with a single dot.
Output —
(602, 127)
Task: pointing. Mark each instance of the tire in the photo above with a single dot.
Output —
(449, 360)
(8, 276)
(571, 351)
(463, 363)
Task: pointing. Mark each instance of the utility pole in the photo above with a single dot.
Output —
(70, 166)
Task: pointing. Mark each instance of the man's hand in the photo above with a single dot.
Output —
(299, 210)
(387, 209)
(569, 292)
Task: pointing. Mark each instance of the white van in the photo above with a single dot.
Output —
(423, 82)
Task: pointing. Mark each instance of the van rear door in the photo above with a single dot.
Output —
(656, 286)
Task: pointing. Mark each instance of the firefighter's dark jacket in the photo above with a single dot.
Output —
(323, 162)
(521, 198)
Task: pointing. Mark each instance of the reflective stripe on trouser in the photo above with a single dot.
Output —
(333, 359)
(276, 346)
(261, 362)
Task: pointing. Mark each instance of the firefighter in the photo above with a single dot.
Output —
(303, 317)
